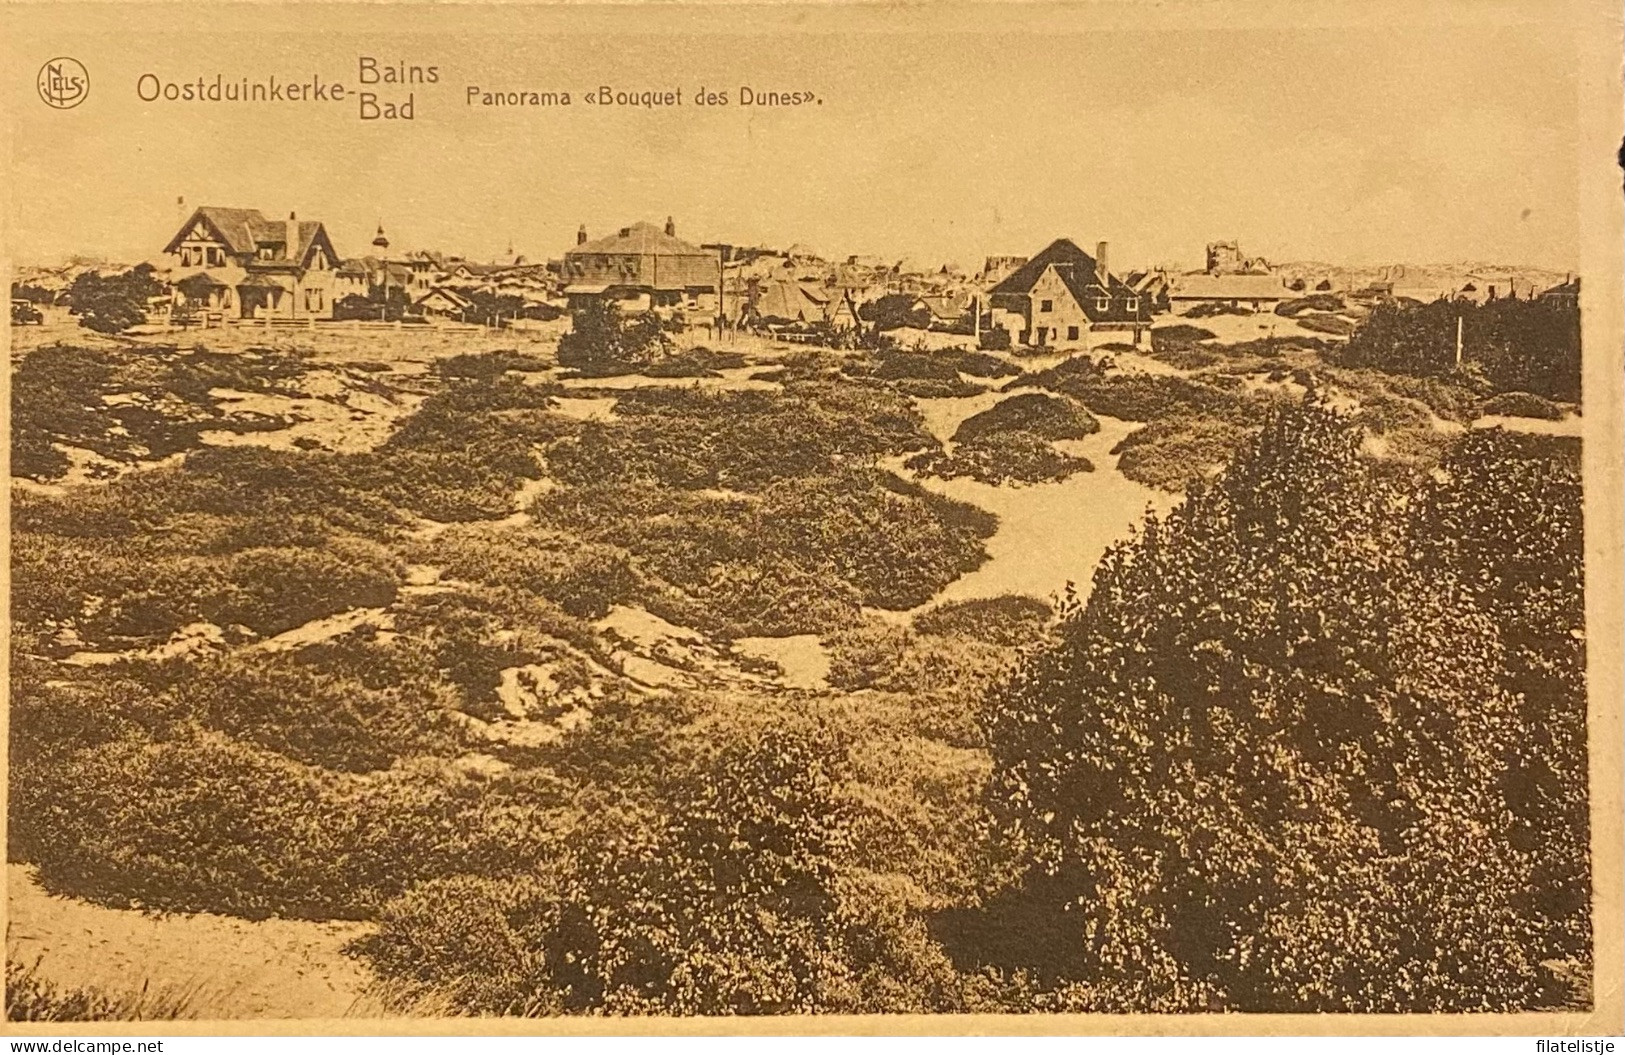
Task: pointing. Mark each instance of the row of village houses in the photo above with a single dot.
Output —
(236, 263)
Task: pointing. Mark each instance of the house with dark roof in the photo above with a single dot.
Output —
(1061, 295)
(243, 265)
(642, 266)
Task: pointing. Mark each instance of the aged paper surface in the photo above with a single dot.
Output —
(1008, 518)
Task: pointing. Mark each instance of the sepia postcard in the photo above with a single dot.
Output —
(785, 518)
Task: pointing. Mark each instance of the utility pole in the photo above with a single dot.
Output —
(1458, 340)
(722, 292)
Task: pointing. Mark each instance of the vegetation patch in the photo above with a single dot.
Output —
(134, 405)
(1172, 453)
(489, 365)
(1186, 620)
(1045, 416)
(1011, 619)
(1508, 345)
(1524, 405)
(1179, 333)
(1316, 302)
(1146, 397)
(799, 556)
(745, 440)
(1336, 325)
(31, 998)
(695, 362)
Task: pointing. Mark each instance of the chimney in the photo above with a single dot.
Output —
(292, 247)
(671, 228)
(581, 235)
(180, 210)
(1100, 263)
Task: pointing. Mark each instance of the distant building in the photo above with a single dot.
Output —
(996, 268)
(1257, 292)
(237, 262)
(950, 312)
(443, 302)
(1152, 285)
(784, 301)
(1063, 293)
(1565, 292)
(643, 266)
(1225, 258)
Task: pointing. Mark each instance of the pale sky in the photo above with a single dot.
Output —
(1451, 137)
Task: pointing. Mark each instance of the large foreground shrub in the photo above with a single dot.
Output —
(1265, 768)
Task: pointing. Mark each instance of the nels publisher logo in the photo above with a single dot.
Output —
(63, 83)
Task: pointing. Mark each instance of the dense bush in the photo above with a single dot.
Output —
(802, 553)
(1516, 345)
(1505, 513)
(127, 590)
(202, 823)
(1010, 442)
(1047, 417)
(1148, 397)
(1335, 325)
(739, 440)
(162, 403)
(603, 343)
(313, 715)
(488, 365)
(1007, 457)
(1264, 768)
(113, 303)
(376, 305)
(695, 362)
(731, 893)
(995, 339)
(895, 311)
(1010, 619)
(1324, 302)
(1172, 453)
(1523, 405)
(1209, 309)
(1178, 334)
(881, 655)
(583, 578)
(980, 364)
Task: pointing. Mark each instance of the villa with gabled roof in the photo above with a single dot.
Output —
(1063, 294)
(243, 265)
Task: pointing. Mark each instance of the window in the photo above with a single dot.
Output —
(313, 300)
(1132, 304)
(1103, 304)
(1071, 333)
(1046, 305)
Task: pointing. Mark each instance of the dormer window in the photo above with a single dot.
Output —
(1132, 304)
(1103, 304)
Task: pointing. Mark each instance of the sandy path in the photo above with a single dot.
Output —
(1053, 533)
(234, 968)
